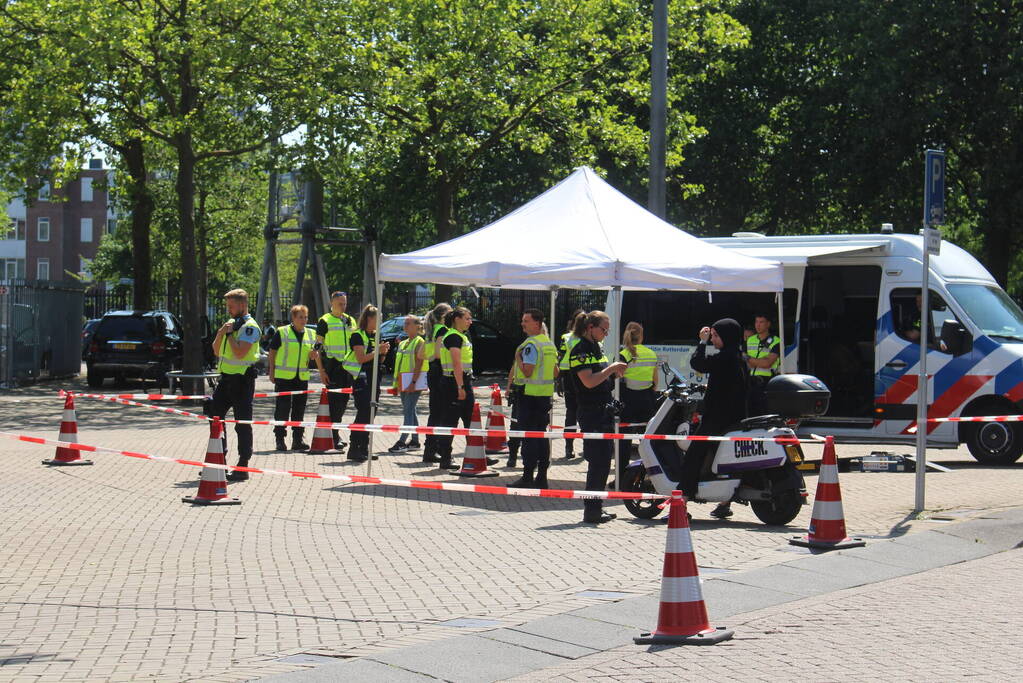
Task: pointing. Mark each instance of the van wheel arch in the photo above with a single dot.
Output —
(992, 443)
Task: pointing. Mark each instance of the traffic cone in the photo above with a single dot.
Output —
(827, 522)
(496, 443)
(213, 480)
(474, 462)
(682, 618)
(68, 434)
(323, 439)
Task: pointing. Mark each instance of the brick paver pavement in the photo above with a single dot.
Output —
(106, 574)
(950, 623)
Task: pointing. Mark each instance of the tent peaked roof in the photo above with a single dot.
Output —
(583, 233)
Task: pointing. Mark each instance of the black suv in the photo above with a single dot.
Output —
(143, 344)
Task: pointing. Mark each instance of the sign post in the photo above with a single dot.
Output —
(934, 214)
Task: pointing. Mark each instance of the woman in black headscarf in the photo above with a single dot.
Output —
(724, 404)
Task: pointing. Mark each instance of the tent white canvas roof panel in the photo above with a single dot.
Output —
(582, 233)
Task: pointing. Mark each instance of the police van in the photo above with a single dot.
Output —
(851, 311)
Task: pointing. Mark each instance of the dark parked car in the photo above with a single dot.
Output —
(491, 350)
(144, 344)
(87, 330)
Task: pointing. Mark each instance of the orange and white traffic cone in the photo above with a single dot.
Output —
(682, 618)
(474, 462)
(323, 439)
(213, 480)
(827, 522)
(496, 443)
(68, 434)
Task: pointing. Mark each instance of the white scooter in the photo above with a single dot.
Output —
(759, 473)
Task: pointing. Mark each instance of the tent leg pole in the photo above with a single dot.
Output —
(781, 330)
(615, 334)
(375, 380)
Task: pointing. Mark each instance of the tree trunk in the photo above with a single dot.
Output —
(202, 232)
(446, 227)
(999, 245)
(142, 207)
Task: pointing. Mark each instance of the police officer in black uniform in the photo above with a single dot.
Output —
(592, 376)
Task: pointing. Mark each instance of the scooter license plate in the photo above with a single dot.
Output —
(794, 453)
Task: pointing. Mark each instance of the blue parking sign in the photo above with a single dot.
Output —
(934, 187)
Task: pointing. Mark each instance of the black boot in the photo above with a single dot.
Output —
(526, 481)
(235, 475)
(446, 464)
(513, 460)
(541, 478)
(280, 445)
(569, 448)
(297, 444)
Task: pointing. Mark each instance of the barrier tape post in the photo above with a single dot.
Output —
(68, 434)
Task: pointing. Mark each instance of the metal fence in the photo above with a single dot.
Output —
(40, 330)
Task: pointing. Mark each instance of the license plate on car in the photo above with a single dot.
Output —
(124, 347)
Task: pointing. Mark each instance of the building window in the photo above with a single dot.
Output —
(44, 192)
(20, 234)
(111, 225)
(86, 230)
(86, 189)
(43, 269)
(11, 231)
(43, 229)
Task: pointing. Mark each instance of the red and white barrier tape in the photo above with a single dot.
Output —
(462, 431)
(979, 418)
(198, 397)
(406, 483)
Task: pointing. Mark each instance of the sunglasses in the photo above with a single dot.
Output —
(334, 295)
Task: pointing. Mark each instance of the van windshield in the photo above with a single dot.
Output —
(991, 309)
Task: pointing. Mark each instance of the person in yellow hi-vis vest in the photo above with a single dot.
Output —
(291, 348)
(568, 342)
(534, 370)
(409, 367)
(638, 386)
(237, 348)
(434, 331)
(333, 330)
(456, 383)
(358, 363)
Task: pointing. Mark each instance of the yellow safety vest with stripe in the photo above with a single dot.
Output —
(352, 366)
(541, 382)
(642, 368)
(335, 342)
(228, 364)
(756, 349)
(568, 342)
(447, 363)
(293, 356)
(405, 359)
(430, 350)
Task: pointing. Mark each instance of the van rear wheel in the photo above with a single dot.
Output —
(995, 443)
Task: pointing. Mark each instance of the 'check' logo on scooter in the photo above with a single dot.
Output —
(748, 449)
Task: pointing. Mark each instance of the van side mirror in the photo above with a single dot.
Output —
(955, 338)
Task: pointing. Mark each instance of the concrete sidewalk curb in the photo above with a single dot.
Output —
(512, 651)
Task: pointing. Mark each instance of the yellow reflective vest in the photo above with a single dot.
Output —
(642, 368)
(293, 356)
(228, 364)
(541, 383)
(335, 342)
(757, 349)
(404, 360)
(447, 364)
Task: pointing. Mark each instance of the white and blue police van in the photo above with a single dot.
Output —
(852, 318)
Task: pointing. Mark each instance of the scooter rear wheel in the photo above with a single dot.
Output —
(643, 509)
(780, 510)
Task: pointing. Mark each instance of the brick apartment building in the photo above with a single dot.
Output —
(59, 232)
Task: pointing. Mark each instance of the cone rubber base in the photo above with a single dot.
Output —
(207, 501)
(488, 473)
(714, 637)
(65, 463)
(318, 452)
(491, 451)
(848, 542)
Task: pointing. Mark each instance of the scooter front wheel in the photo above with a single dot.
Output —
(637, 481)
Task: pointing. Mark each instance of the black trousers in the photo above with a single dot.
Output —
(534, 415)
(234, 393)
(571, 413)
(361, 395)
(453, 410)
(337, 378)
(434, 406)
(758, 395)
(290, 407)
(597, 454)
(696, 454)
(637, 406)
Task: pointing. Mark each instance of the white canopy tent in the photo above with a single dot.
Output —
(583, 234)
